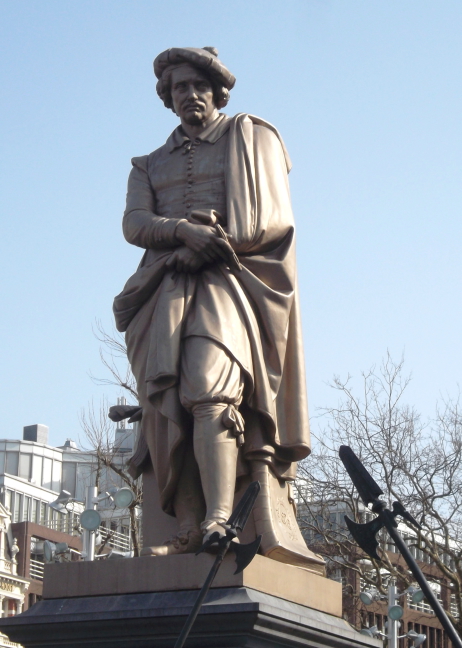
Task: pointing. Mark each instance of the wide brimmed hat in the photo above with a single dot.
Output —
(205, 58)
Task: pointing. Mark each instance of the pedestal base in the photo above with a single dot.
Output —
(144, 602)
(188, 572)
(232, 617)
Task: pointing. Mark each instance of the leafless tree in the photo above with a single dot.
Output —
(113, 356)
(99, 436)
(415, 462)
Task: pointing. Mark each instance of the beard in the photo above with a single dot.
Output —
(194, 118)
(197, 113)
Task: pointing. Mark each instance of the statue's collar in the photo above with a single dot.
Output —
(211, 134)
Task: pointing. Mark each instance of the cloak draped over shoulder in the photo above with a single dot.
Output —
(154, 308)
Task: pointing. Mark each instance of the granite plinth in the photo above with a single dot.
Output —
(232, 617)
(188, 572)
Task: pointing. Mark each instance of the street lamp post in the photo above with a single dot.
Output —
(393, 624)
(395, 612)
(90, 519)
(91, 502)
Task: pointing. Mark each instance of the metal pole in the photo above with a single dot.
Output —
(200, 599)
(364, 534)
(89, 536)
(244, 553)
(420, 578)
(392, 625)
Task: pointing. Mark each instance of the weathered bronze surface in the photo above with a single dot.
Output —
(211, 317)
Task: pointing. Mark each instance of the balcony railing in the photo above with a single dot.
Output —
(64, 524)
(454, 608)
(68, 525)
(36, 569)
(110, 538)
(4, 641)
(115, 539)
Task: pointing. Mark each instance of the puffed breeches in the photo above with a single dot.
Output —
(208, 375)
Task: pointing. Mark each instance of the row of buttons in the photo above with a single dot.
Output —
(191, 148)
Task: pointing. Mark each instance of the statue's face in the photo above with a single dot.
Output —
(192, 95)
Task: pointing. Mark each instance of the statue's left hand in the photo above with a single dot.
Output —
(184, 259)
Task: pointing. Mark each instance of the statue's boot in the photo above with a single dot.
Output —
(216, 450)
(189, 507)
(275, 520)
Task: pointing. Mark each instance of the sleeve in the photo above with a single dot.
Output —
(141, 226)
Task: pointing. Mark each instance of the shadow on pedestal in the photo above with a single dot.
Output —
(230, 618)
(144, 602)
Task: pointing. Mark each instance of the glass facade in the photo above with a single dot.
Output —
(33, 474)
(24, 508)
(35, 463)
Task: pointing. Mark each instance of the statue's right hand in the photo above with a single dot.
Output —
(184, 259)
(203, 240)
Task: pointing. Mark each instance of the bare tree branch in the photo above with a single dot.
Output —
(99, 434)
(416, 463)
(113, 356)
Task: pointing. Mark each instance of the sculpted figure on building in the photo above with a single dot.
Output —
(211, 315)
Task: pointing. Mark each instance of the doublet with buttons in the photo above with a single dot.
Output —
(185, 175)
(237, 167)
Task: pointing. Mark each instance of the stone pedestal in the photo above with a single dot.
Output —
(143, 602)
(188, 572)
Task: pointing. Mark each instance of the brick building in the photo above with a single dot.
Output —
(417, 616)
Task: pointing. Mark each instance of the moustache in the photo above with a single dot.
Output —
(194, 104)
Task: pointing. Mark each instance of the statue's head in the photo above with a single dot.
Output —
(205, 60)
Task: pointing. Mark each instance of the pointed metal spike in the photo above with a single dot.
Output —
(364, 535)
(242, 511)
(245, 553)
(398, 509)
(369, 491)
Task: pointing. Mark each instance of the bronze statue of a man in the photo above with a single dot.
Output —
(211, 315)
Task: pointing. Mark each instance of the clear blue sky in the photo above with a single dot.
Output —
(367, 95)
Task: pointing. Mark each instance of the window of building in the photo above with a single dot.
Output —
(2, 462)
(35, 517)
(12, 461)
(37, 464)
(57, 474)
(18, 504)
(9, 499)
(25, 462)
(47, 467)
(83, 480)
(43, 513)
(69, 473)
(11, 607)
(27, 508)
